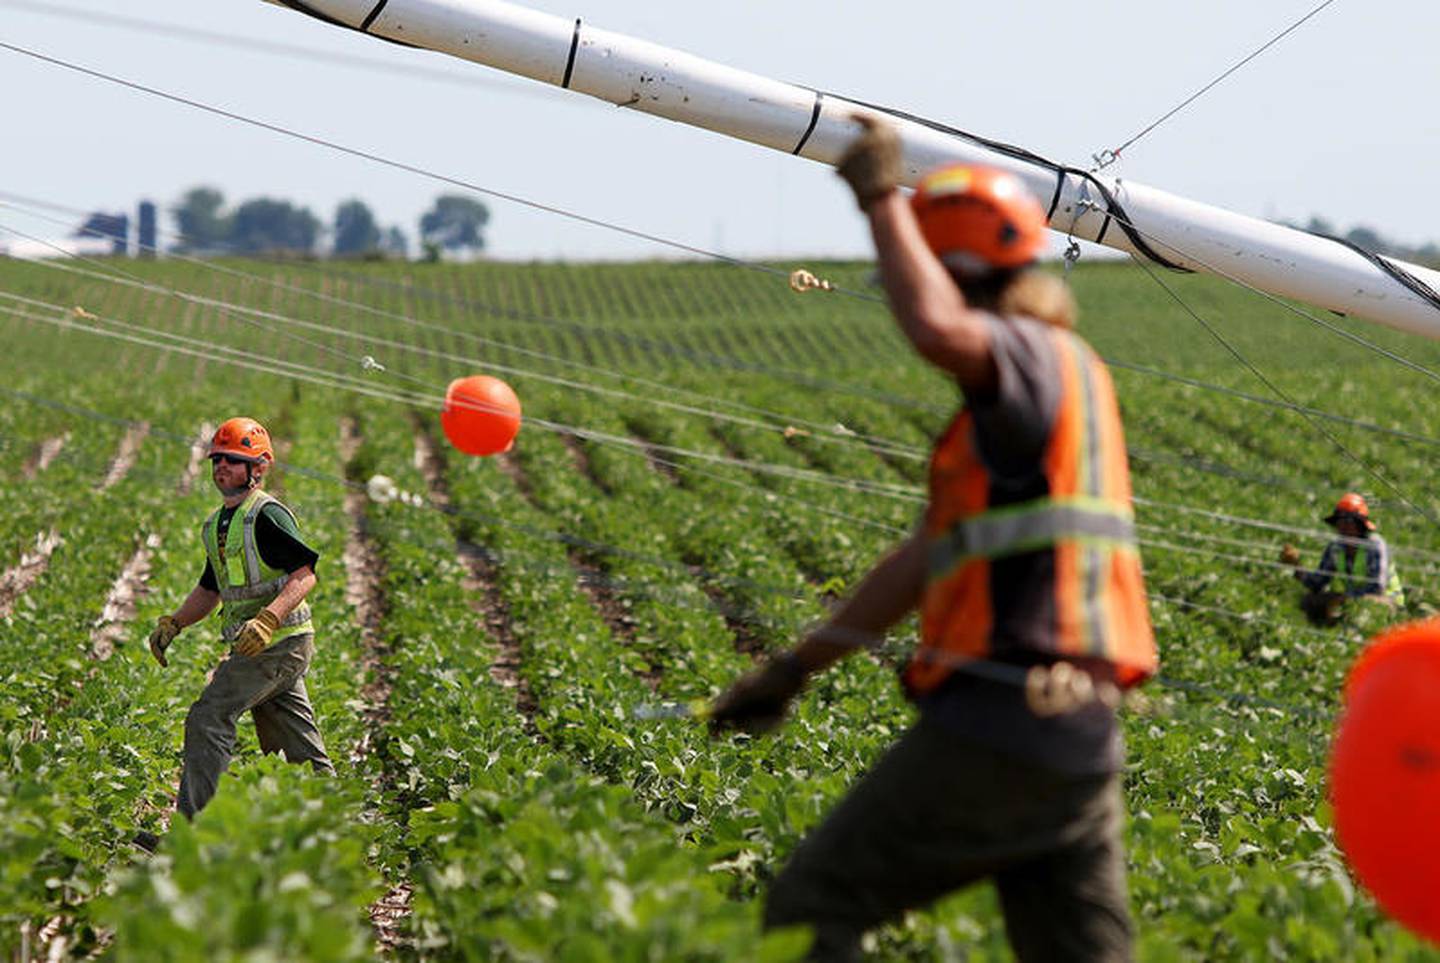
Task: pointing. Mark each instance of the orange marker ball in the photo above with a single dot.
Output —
(481, 415)
(1385, 774)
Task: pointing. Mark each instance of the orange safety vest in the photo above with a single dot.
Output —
(1045, 566)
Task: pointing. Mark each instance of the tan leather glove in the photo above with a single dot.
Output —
(872, 165)
(255, 637)
(166, 628)
(1290, 555)
(759, 700)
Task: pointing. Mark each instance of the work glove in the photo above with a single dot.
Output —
(1334, 607)
(166, 628)
(1324, 608)
(255, 637)
(1290, 555)
(758, 701)
(872, 165)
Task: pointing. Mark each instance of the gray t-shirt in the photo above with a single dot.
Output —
(1012, 426)
(1013, 422)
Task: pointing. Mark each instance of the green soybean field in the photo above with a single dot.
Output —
(708, 461)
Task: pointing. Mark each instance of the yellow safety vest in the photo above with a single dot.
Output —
(246, 583)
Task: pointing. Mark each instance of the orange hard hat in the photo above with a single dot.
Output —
(1351, 505)
(244, 438)
(978, 218)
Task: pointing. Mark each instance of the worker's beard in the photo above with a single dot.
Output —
(251, 481)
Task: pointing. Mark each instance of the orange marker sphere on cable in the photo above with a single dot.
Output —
(481, 415)
(1385, 774)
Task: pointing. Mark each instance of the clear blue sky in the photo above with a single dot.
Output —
(1336, 120)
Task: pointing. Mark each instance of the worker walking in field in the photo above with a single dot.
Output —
(1356, 565)
(259, 569)
(1025, 564)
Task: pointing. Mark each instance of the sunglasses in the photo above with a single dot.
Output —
(230, 460)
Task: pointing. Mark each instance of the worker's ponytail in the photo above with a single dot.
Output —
(1040, 295)
(1023, 292)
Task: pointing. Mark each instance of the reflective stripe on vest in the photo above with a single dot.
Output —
(1030, 526)
(246, 583)
(1073, 532)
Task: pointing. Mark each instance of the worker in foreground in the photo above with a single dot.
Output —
(1356, 565)
(259, 570)
(1026, 561)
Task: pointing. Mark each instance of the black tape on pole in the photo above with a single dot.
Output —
(570, 61)
(814, 119)
(310, 11)
(365, 25)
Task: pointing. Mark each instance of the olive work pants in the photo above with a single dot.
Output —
(272, 686)
(936, 814)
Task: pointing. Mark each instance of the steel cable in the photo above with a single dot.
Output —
(1116, 152)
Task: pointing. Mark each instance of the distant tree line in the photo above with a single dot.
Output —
(1371, 240)
(454, 224)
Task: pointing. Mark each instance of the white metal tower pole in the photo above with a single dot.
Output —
(678, 86)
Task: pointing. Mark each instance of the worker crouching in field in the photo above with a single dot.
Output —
(1357, 565)
(259, 570)
(1026, 562)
